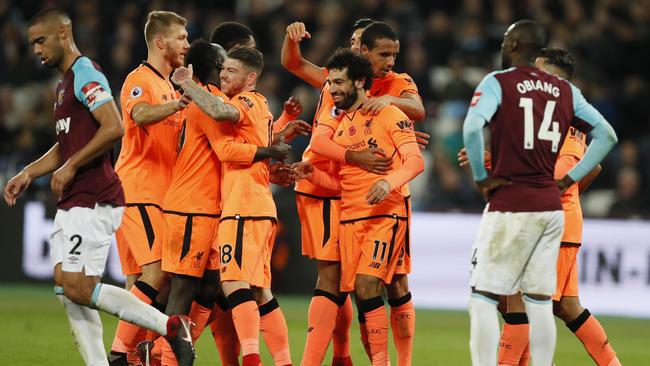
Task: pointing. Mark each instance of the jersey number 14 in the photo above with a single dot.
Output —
(549, 131)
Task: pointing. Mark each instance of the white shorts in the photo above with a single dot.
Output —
(82, 236)
(517, 252)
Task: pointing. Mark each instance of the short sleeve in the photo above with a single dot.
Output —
(400, 127)
(244, 105)
(405, 84)
(137, 89)
(486, 98)
(90, 85)
(564, 164)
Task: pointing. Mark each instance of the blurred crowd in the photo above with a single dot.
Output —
(446, 46)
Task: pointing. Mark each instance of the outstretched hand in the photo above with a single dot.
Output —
(182, 74)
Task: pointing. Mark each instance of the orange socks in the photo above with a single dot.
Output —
(321, 321)
(402, 322)
(128, 335)
(592, 335)
(377, 326)
(363, 330)
(341, 337)
(246, 318)
(274, 330)
(514, 339)
(199, 313)
(225, 336)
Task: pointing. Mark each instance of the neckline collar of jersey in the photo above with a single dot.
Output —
(73, 62)
(347, 114)
(150, 66)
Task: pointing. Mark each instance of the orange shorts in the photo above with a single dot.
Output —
(567, 272)
(139, 237)
(245, 247)
(404, 265)
(371, 247)
(319, 226)
(189, 244)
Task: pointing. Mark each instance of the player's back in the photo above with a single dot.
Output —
(527, 130)
(196, 177)
(387, 130)
(82, 89)
(245, 188)
(148, 151)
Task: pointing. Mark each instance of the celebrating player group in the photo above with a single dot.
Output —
(190, 204)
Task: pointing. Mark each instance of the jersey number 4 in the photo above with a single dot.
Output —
(549, 131)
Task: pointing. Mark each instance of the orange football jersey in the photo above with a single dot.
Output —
(245, 188)
(393, 84)
(388, 130)
(149, 151)
(572, 150)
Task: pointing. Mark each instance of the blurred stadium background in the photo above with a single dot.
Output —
(447, 47)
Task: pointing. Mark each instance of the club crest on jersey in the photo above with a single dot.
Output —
(352, 131)
(367, 127)
(60, 97)
(475, 99)
(94, 92)
(136, 92)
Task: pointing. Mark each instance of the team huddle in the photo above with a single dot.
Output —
(190, 204)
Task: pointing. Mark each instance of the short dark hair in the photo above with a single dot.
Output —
(231, 34)
(560, 58)
(203, 57)
(249, 57)
(375, 31)
(362, 23)
(358, 67)
(48, 14)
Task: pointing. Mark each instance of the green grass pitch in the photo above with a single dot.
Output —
(34, 331)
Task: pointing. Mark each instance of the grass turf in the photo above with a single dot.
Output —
(35, 331)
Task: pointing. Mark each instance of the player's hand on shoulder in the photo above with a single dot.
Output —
(302, 170)
(282, 174)
(489, 185)
(374, 105)
(463, 160)
(16, 186)
(294, 129)
(422, 139)
(61, 178)
(293, 107)
(378, 192)
(373, 160)
(297, 32)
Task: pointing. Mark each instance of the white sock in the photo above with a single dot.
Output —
(86, 328)
(484, 330)
(128, 307)
(543, 333)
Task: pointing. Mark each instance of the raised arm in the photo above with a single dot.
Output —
(292, 60)
(209, 103)
(146, 114)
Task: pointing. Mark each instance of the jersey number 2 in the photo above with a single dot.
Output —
(549, 131)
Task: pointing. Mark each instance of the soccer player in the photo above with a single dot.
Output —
(90, 196)
(519, 236)
(381, 47)
(513, 348)
(152, 116)
(380, 44)
(374, 218)
(247, 226)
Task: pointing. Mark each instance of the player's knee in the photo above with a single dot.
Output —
(367, 287)
(262, 295)
(399, 287)
(77, 292)
(567, 310)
